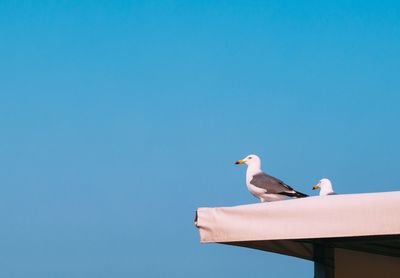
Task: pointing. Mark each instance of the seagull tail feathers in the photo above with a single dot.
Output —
(294, 194)
(300, 195)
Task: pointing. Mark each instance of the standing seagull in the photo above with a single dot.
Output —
(326, 187)
(263, 186)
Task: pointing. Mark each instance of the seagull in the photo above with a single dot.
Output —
(326, 187)
(263, 186)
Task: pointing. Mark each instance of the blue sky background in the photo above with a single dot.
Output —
(119, 118)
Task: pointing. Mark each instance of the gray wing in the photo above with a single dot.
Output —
(270, 183)
(332, 193)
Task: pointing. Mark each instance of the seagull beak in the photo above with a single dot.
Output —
(240, 161)
(315, 187)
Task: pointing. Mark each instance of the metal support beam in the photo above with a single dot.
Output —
(324, 261)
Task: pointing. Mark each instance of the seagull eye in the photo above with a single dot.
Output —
(250, 157)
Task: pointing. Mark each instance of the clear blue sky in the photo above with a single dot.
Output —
(119, 118)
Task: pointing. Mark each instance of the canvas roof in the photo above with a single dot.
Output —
(367, 222)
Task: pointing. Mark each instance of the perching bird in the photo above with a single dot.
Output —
(263, 186)
(326, 187)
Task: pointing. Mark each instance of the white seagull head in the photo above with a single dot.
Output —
(250, 160)
(325, 185)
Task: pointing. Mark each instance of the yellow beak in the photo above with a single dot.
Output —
(240, 161)
(315, 187)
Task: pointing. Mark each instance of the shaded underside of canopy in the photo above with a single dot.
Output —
(306, 249)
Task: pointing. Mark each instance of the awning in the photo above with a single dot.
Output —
(361, 222)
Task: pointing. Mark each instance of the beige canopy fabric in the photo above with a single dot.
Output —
(355, 235)
(313, 217)
(364, 222)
